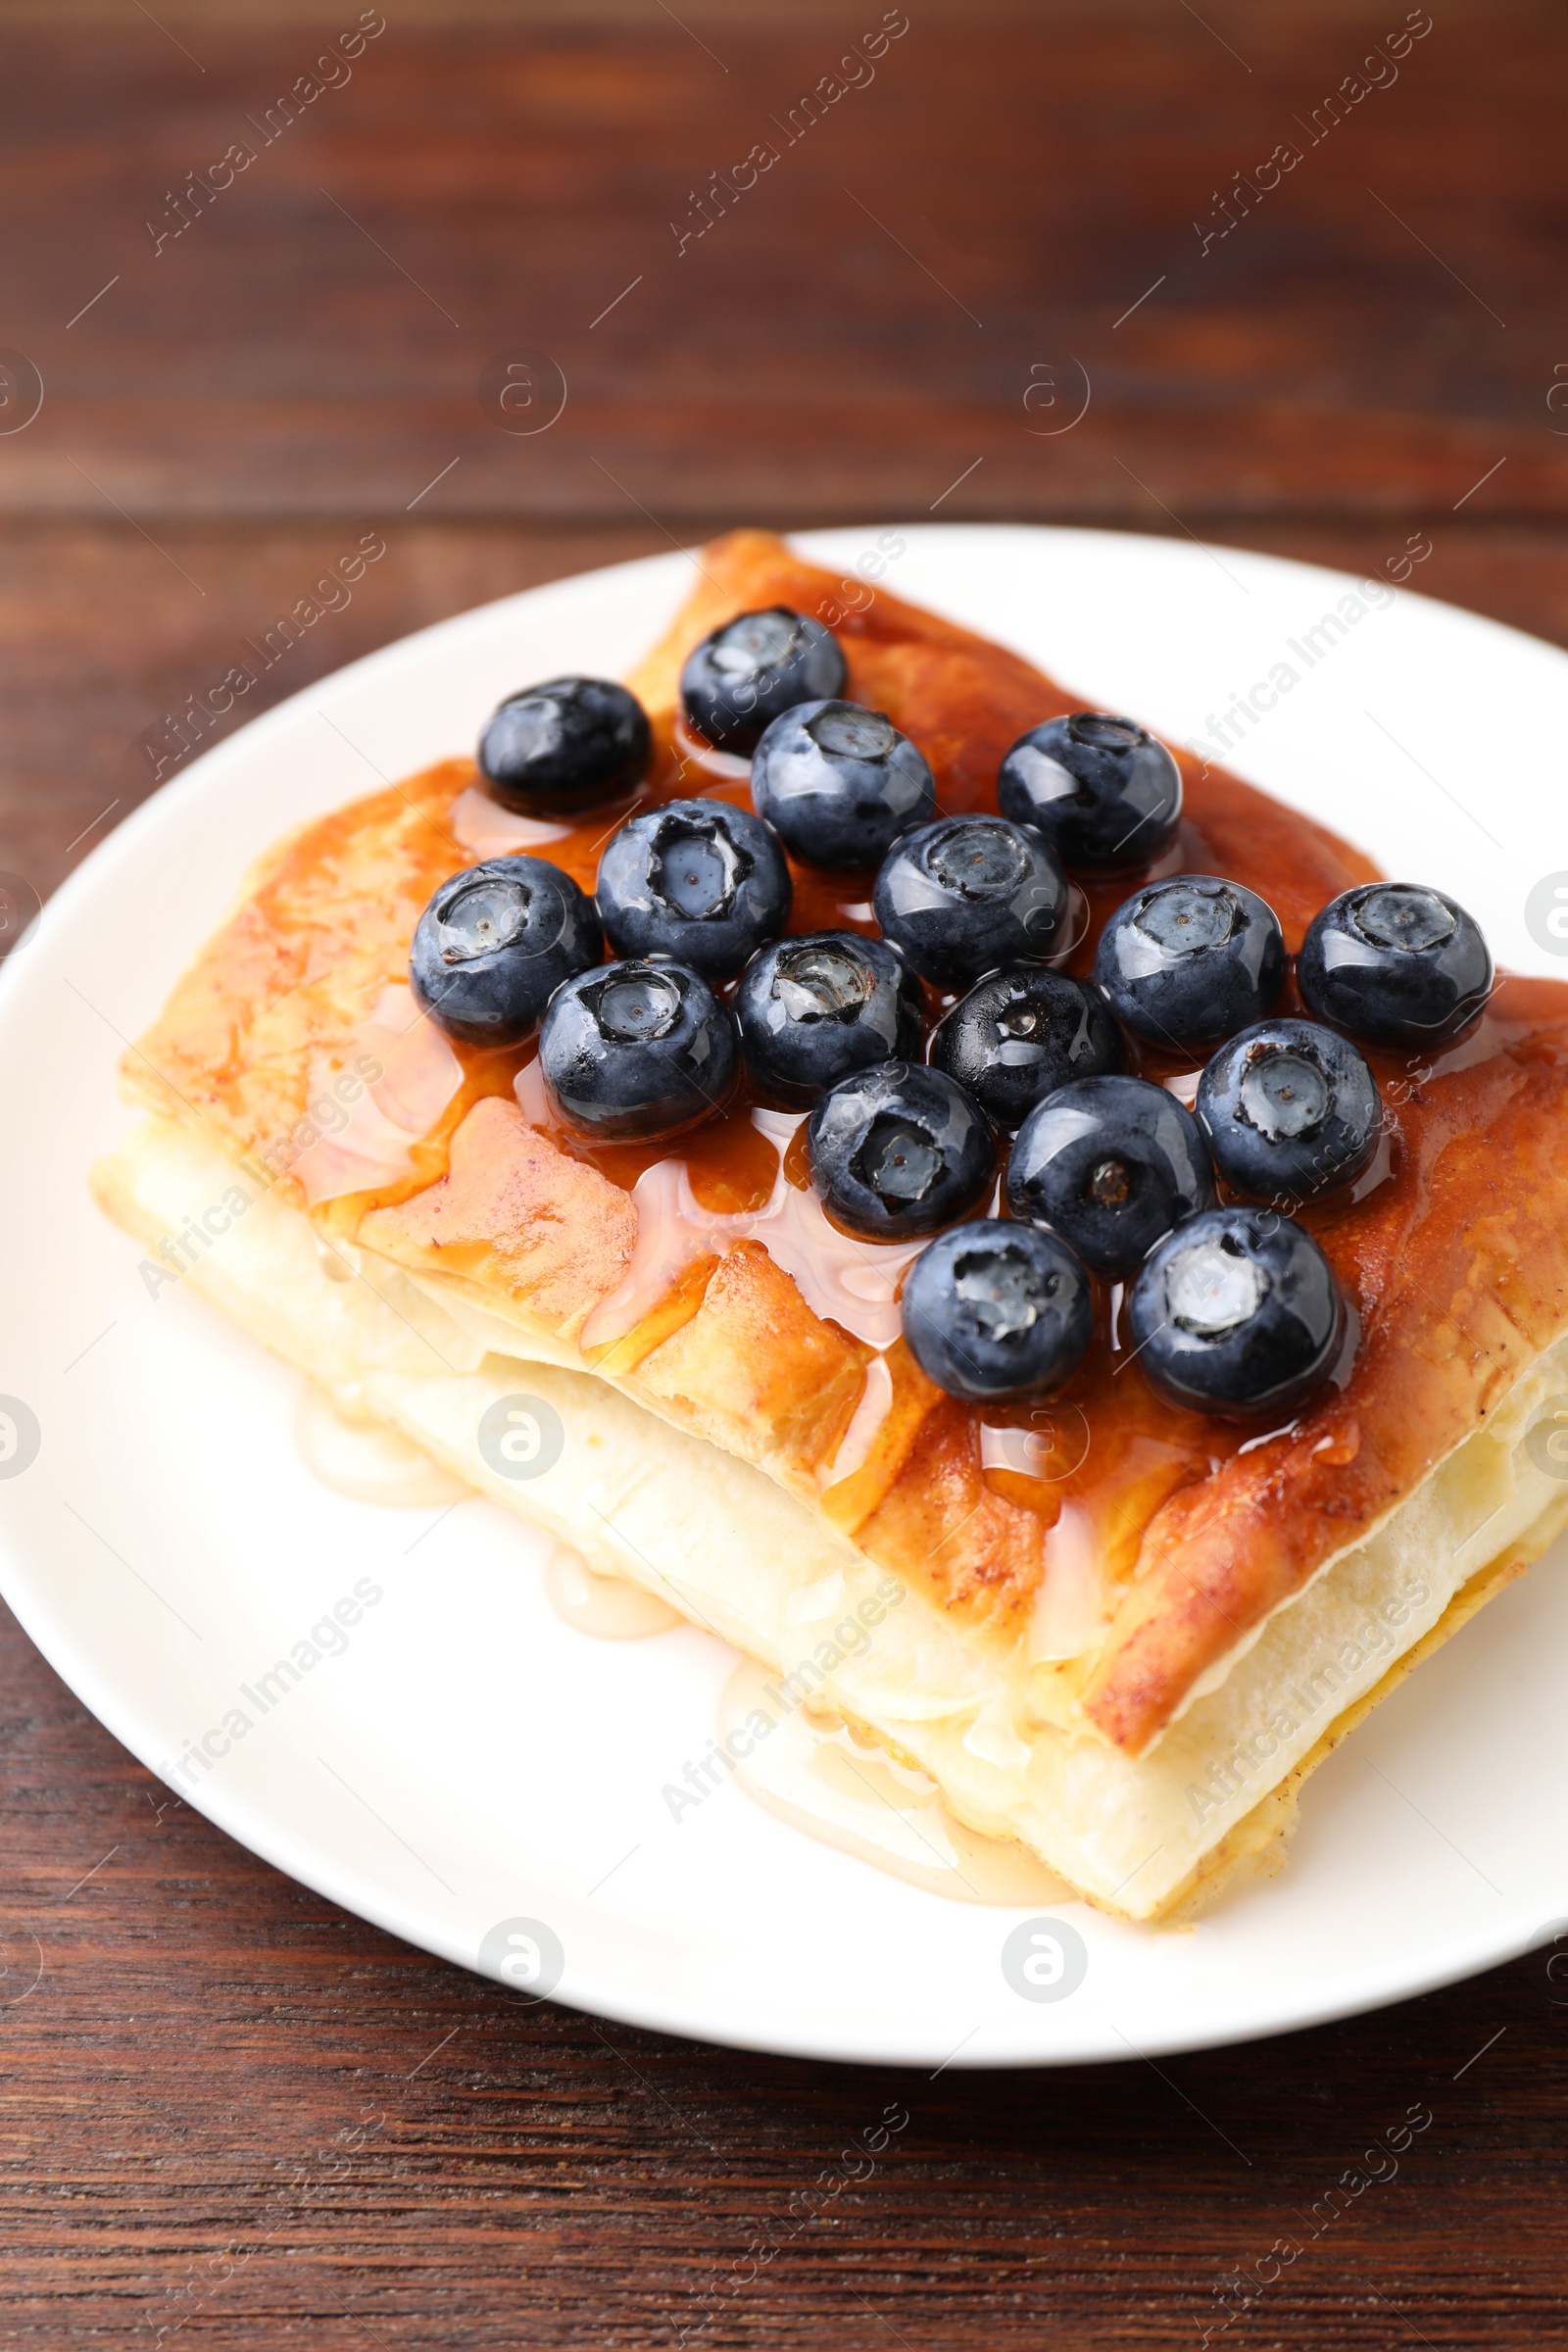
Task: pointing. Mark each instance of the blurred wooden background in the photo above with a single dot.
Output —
(1004, 207)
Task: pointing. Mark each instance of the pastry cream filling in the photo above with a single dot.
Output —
(726, 1545)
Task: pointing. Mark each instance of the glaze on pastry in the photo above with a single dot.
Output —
(1125, 1628)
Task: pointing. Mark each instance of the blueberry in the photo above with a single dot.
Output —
(494, 943)
(899, 1151)
(1235, 1312)
(1111, 1164)
(814, 1008)
(1021, 1034)
(1395, 963)
(841, 784)
(635, 1051)
(698, 881)
(992, 1310)
(1104, 792)
(969, 893)
(748, 672)
(1190, 961)
(1290, 1109)
(565, 744)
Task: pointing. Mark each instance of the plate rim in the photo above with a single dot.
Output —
(283, 1843)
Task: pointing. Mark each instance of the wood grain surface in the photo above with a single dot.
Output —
(229, 2114)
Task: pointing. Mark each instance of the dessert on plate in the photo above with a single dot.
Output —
(1038, 1244)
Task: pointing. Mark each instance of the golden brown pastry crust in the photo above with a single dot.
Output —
(323, 925)
(1459, 1272)
(1458, 1264)
(514, 1217)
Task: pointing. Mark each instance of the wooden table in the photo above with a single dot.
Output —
(229, 2111)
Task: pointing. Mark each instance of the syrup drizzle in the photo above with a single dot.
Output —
(418, 1075)
(1069, 1611)
(724, 767)
(1050, 1451)
(483, 826)
(855, 1448)
(849, 1282)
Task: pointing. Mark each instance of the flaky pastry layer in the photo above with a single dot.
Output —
(1148, 1838)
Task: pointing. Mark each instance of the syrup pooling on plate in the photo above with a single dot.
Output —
(825, 1778)
(368, 1461)
(612, 1608)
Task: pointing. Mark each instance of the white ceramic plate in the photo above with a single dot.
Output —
(469, 1759)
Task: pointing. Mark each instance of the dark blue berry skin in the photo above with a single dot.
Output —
(565, 744)
(1395, 963)
(839, 784)
(994, 1310)
(967, 895)
(814, 1008)
(1237, 1312)
(1112, 1164)
(494, 943)
(1104, 792)
(899, 1151)
(1020, 1035)
(636, 1051)
(1290, 1109)
(756, 668)
(1190, 960)
(698, 881)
